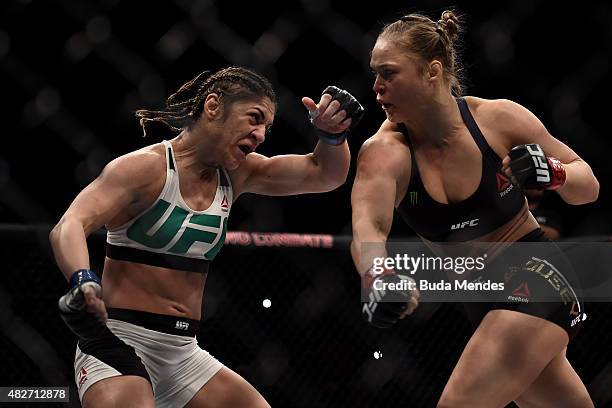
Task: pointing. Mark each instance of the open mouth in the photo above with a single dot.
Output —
(245, 149)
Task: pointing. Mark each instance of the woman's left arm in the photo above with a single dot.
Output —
(522, 127)
(324, 169)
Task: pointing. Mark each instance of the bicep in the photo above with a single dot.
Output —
(102, 200)
(523, 127)
(97, 204)
(281, 175)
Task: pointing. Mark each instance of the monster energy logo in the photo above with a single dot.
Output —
(170, 228)
(413, 197)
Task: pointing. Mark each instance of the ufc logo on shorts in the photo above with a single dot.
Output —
(542, 171)
(580, 318)
(181, 325)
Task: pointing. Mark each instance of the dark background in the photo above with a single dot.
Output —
(73, 72)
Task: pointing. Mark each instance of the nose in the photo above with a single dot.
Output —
(378, 87)
(259, 133)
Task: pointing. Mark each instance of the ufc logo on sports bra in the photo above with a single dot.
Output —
(461, 225)
(541, 165)
(176, 228)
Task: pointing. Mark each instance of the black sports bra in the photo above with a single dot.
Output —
(495, 202)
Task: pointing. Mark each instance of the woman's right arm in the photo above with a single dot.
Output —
(99, 204)
(382, 162)
(382, 165)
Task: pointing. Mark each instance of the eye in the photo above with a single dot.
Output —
(254, 118)
(387, 73)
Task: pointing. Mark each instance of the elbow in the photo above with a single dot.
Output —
(54, 233)
(594, 191)
(353, 248)
(586, 196)
(67, 225)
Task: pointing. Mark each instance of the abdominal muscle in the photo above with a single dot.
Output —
(129, 285)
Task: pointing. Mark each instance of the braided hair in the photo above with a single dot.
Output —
(184, 107)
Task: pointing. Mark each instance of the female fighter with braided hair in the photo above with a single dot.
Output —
(453, 167)
(165, 207)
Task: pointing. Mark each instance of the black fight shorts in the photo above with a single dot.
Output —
(539, 281)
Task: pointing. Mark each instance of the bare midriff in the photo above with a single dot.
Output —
(130, 285)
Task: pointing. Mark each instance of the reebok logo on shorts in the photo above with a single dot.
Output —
(82, 376)
(520, 294)
(580, 318)
(522, 290)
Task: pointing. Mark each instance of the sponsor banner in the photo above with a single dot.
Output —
(278, 239)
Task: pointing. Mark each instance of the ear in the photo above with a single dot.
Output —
(434, 71)
(212, 107)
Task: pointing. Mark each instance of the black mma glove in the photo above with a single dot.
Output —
(387, 297)
(353, 109)
(73, 307)
(533, 170)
